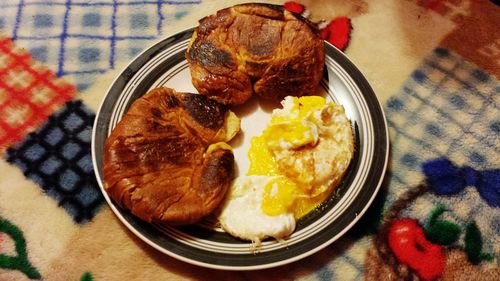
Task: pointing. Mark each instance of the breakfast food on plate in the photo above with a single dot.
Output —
(243, 215)
(167, 160)
(294, 166)
(259, 48)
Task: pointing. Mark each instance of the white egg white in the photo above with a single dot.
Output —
(331, 154)
(242, 215)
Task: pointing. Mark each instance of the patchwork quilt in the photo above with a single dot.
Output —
(433, 64)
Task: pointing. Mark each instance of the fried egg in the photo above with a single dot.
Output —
(295, 163)
(242, 215)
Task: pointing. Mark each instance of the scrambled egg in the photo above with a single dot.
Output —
(294, 165)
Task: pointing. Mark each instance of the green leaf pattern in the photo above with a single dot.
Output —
(87, 276)
(442, 232)
(474, 244)
(20, 261)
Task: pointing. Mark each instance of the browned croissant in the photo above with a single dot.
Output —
(258, 48)
(163, 161)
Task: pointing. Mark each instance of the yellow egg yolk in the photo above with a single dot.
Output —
(290, 130)
(279, 196)
(289, 134)
(295, 128)
(301, 108)
(261, 159)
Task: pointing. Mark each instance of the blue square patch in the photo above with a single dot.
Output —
(57, 157)
(91, 20)
(43, 20)
(134, 21)
(88, 55)
(39, 21)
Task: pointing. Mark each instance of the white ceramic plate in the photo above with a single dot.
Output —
(204, 244)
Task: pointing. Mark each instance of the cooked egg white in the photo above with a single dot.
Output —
(295, 125)
(294, 165)
(317, 165)
(243, 217)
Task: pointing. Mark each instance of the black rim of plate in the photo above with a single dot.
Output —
(201, 246)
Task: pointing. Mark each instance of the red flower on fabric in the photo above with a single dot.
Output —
(338, 32)
(408, 243)
(294, 7)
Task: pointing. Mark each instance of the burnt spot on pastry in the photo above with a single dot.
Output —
(208, 113)
(264, 42)
(155, 126)
(207, 54)
(217, 169)
(174, 150)
(156, 112)
(171, 101)
(153, 152)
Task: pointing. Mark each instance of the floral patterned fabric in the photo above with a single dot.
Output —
(434, 65)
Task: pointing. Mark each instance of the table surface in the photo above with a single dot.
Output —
(434, 66)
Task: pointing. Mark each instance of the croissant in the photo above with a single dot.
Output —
(255, 48)
(167, 160)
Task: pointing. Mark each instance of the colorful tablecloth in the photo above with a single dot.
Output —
(434, 65)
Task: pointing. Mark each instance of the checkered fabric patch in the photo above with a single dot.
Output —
(29, 93)
(348, 263)
(448, 108)
(82, 39)
(57, 157)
